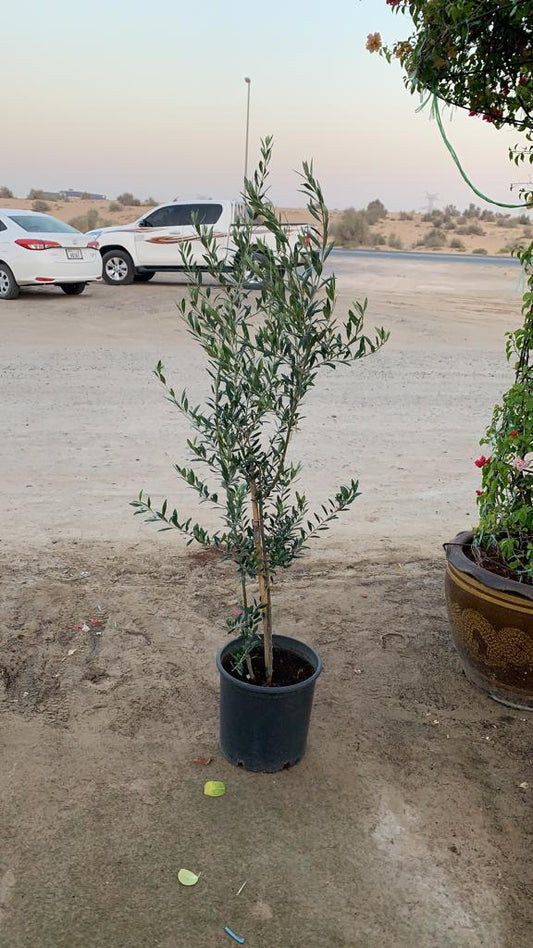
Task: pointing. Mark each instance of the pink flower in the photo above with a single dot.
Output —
(522, 81)
(519, 464)
(479, 493)
(373, 42)
(481, 461)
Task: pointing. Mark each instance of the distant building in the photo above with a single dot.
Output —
(85, 195)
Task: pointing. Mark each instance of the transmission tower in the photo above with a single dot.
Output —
(431, 201)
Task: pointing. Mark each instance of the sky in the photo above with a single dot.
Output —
(149, 97)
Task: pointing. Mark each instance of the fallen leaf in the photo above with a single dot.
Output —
(186, 877)
(214, 788)
(524, 785)
(202, 760)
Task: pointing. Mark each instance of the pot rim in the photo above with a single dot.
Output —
(275, 690)
(456, 555)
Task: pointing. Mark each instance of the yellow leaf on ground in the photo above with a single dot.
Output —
(186, 877)
(214, 788)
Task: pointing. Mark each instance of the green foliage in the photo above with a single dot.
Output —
(265, 351)
(506, 502)
(476, 54)
(41, 206)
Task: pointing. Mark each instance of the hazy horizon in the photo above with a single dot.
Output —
(155, 104)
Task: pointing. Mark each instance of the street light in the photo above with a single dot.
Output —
(248, 82)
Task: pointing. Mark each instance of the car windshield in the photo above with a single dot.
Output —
(42, 224)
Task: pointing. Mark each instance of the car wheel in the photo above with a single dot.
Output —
(144, 277)
(73, 289)
(118, 269)
(9, 288)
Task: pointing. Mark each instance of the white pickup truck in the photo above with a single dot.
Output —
(152, 243)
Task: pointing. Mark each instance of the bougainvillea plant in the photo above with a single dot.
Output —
(478, 55)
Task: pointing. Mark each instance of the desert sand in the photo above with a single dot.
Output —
(405, 230)
(406, 823)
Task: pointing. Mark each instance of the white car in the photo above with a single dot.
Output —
(38, 250)
(152, 243)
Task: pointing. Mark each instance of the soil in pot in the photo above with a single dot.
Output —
(288, 668)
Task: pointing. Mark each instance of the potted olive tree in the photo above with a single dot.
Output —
(265, 348)
(478, 56)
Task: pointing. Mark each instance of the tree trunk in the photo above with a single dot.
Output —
(263, 578)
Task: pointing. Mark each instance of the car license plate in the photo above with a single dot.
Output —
(74, 254)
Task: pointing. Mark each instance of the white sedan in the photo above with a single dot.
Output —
(38, 250)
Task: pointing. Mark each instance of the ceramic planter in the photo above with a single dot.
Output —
(491, 620)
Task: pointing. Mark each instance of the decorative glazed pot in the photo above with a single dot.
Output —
(491, 619)
(265, 728)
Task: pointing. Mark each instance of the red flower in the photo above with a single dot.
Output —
(479, 493)
(522, 81)
(493, 116)
(472, 113)
(513, 434)
(392, 3)
(481, 461)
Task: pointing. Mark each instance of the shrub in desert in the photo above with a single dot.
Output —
(114, 207)
(87, 221)
(41, 206)
(128, 200)
(480, 251)
(434, 239)
(6, 193)
(352, 229)
(395, 242)
(406, 215)
(375, 211)
(35, 195)
(467, 230)
(457, 244)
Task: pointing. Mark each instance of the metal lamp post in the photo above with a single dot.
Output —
(248, 82)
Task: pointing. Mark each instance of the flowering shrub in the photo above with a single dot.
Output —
(478, 55)
(506, 501)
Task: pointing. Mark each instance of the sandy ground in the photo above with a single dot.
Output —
(406, 824)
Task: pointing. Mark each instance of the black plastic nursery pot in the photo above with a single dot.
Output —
(265, 728)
